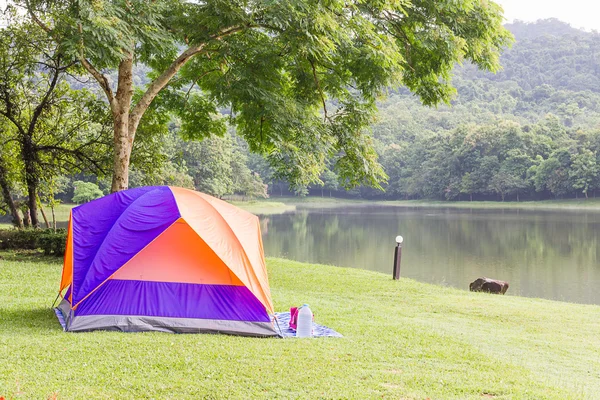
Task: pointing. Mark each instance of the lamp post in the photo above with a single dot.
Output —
(397, 257)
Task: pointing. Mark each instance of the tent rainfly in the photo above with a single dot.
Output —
(164, 259)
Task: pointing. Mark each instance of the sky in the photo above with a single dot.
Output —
(578, 13)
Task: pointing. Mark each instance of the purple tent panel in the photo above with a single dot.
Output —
(109, 231)
(174, 300)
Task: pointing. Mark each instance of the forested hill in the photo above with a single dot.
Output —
(551, 68)
(531, 130)
(551, 53)
(544, 27)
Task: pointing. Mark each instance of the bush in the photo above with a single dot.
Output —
(85, 191)
(53, 243)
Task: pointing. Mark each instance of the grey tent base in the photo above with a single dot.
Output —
(133, 323)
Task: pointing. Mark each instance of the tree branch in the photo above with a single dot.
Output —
(77, 153)
(38, 110)
(187, 95)
(9, 114)
(36, 19)
(100, 77)
(314, 69)
(163, 79)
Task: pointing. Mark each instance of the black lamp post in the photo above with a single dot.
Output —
(397, 257)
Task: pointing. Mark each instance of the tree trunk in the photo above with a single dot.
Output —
(32, 202)
(124, 129)
(29, 157)
(586, 195)
(517, 197)
(32, 205)
(26, 217)
(14, 211)
(122, 155)
(43, 212)
(53, 217)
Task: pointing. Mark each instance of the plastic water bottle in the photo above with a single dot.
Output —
(305, 322)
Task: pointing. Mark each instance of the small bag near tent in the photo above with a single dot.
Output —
(165, 259)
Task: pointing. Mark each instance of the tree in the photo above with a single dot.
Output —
(330, 181)
(512, 177)
(484, 173)
(8, 156)
(467, 185)
(209, 164)
(245, 181)
(503, 183)
(552, 174)
(277, 67)
(7, 198)
(55, 127)
(85, 191)
(584, 171)
(51, 186)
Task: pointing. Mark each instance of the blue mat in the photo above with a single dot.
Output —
(283, 325)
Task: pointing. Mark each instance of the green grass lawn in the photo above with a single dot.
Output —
(403, 340)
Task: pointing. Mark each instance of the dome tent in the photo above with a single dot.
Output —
(164, 259)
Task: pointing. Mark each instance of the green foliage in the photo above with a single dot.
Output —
(299, 79)
(49, 128)
(217, 165)
(505, 135)
(53, 243)
(584, 171)
(494, 161)
(210, 165)
(85, 191)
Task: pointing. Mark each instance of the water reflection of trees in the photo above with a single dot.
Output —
(541, 254)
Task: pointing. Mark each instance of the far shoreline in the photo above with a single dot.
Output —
(275, 204)
(282, 204)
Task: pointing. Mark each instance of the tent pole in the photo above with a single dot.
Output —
(54, 302)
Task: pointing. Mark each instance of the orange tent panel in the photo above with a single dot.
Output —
(67, 272)
(187, 258)
(226, 237)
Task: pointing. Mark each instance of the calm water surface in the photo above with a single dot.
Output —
(553, 255)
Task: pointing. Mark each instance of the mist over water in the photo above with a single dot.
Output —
(551, 255)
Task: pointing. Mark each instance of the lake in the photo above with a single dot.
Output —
(552, 255)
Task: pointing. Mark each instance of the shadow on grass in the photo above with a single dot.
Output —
(39, 319)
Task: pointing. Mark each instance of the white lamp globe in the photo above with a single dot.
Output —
(399, 239)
